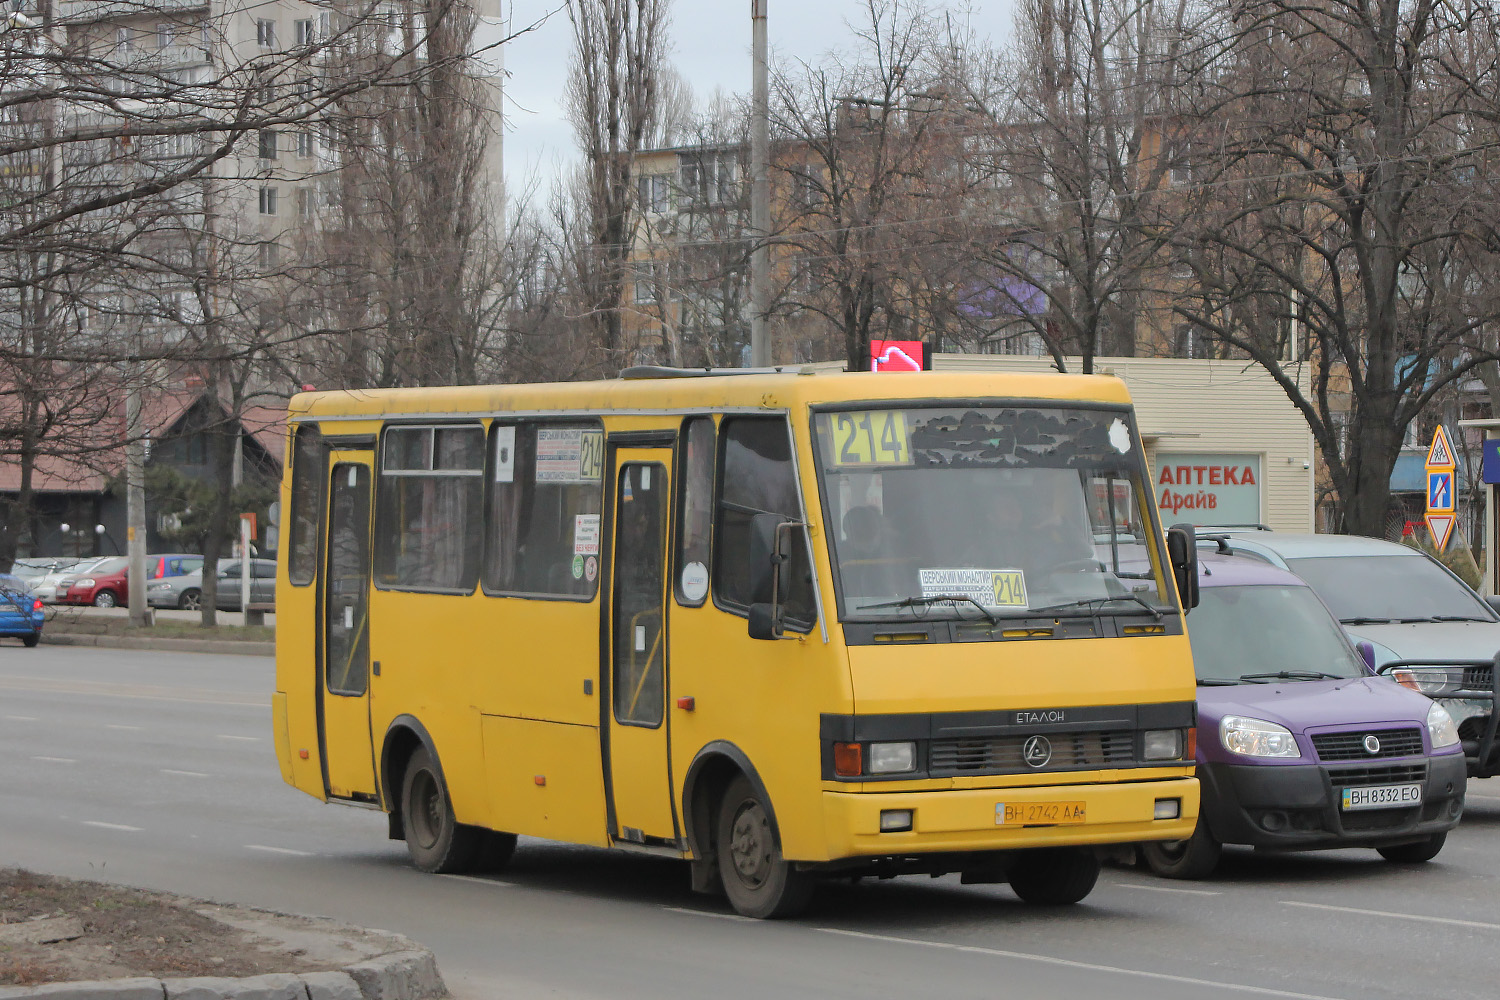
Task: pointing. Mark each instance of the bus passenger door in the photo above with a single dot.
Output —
(344, 687)
(640, 796)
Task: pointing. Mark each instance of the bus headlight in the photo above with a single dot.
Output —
(1257, 738)
(892, 758)
(1162, 744)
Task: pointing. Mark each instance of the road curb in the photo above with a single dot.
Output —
(409, 974)
(168, 645)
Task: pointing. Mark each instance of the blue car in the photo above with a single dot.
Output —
(21, 613)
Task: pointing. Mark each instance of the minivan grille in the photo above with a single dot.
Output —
(1350, 746)
(1001, 754)
(1391, 774)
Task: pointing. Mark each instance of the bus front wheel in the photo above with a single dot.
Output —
(1057, 876)
(436, 841)
(758, 880)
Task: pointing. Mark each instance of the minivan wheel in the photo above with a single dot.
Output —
(1054, 876)
(1195, 857)
(105, 599)
(1411, 854)
(191, 600)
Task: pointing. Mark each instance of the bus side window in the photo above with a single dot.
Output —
(428, 508)
(308, 472)
(757, 476)
(695, 510)
(542, 532)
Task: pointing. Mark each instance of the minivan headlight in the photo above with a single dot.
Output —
(1257, 738)
(1440, 728)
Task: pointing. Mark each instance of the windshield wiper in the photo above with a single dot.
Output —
(1294, 675)
(1088, 601)
(1364, 621)
(1204, 682)
(925, 602)
(1448, 618)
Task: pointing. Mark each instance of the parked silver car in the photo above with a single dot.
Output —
(46, 586)
(186, 592)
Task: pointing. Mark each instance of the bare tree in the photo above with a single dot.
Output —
(613, 102)
(1352, 232)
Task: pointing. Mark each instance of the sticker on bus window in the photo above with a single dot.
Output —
(993, 588)
(586, 535)
(694, 581)
(869, 437)
(505, 454)
(569, 455)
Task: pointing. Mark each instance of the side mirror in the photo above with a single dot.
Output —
(1493, 601)
(1182, 550)
(763, 622)
(1367, 653)
(765, 562)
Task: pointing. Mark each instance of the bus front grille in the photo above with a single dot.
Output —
(1005, 754)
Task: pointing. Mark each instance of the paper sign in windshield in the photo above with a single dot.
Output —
(993, 588)
(569, 455)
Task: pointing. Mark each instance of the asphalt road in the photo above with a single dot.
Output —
(157, 770)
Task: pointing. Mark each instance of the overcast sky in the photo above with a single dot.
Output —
(710, 46)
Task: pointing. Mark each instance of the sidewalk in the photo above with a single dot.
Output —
(177, 631)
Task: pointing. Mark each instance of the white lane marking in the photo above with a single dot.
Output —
(111, 826)
(246, 739)
(185, 774)
(18, 718)
(280, 850)
(710, 913)
(1070, 964)
(1467, 795)
(1165, 888)
(55, 760)
(1394, 916)
(475, 878)
(115, 725)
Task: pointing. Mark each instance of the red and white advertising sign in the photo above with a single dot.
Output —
(1209, 488)
(896, 355)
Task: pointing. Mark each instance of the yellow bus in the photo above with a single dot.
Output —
(780, 624)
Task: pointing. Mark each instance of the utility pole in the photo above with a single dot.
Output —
(760, 192)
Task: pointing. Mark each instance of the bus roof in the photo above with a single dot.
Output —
(786, 389)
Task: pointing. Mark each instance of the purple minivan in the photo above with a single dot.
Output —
(1299, 746)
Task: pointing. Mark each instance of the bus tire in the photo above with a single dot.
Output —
(1055, 876)
(1193, 858)
(758, 880)
(435, 840)
(1414, 854)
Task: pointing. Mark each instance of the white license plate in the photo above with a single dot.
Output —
(1382, 797)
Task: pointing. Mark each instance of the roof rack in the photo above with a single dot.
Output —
(662, 371)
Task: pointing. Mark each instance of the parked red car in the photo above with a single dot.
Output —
(103, 586)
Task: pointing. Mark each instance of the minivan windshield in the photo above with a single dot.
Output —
(1396, 588)
(1267, 632)
(956, 511)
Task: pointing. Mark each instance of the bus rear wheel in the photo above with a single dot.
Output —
(758, 880)
(435, 840)
(1055, 876)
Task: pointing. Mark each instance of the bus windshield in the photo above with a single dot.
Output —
(1001, 510)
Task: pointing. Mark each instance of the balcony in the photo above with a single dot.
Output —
(102, 10)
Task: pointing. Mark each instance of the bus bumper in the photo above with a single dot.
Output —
(966, 820)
